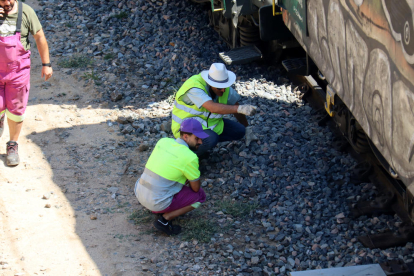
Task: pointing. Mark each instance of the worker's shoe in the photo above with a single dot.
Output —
(12, 158)
(1, 124)
(166, 226)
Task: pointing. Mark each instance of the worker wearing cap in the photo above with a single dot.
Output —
(171, 166)
(206, 97)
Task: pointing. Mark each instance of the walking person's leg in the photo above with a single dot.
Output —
(2, 105)
(17, 96)
(14, 128)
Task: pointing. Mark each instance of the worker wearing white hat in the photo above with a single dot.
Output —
(207, 97)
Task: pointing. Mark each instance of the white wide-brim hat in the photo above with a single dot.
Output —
(218, 76)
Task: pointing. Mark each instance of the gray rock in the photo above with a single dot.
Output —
(113, 190)
(166, 126)
(128, 129)
(254, 260)
(143, 147)
(116, 96)
(250, 136)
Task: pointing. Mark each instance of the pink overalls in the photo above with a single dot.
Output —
(14, 74)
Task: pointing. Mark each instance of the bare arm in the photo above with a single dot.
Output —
(195, 185)
(43, 49)
(220, 108)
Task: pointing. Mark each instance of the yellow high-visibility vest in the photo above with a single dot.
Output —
(182, 111)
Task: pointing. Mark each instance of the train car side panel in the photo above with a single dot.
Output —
(365, 49)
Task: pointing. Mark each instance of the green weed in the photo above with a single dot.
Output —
(121, 15)
(109, 56)
(141, 216)
(147, 232)
(76, 61)
(234, 208)
(90, 76)
(198, 226)
(201, 229)
(108, 210)
(122, 237)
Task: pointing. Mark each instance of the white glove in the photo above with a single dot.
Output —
(246, 109)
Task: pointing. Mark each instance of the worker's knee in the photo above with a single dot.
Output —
(239, 132)
(212, 140)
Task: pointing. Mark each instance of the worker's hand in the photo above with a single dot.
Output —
(47, 72)
(246, 109)
(1, 12)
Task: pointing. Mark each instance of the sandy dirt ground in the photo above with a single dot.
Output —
(70, 156)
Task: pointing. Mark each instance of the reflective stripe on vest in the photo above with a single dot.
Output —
(151, 180)
(203, 122)
(197, 113)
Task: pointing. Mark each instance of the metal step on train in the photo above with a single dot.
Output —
(295, 66)
(241, 55)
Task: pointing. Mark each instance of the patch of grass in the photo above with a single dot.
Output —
(199, 228)
(141, 216)
(90, 76)
(147, 232)
(76, 61)
(122, 237)
(109, 56)
(123, 205)
(121, 15)
(109, 210)
(234, 208)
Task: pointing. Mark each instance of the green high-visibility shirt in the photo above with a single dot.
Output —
(171, 163)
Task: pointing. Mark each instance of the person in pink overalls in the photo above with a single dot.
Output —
(16, 21)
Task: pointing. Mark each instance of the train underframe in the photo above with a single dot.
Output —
(252, 23)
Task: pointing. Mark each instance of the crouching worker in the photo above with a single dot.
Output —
(171, 166)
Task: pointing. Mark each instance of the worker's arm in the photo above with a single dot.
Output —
(43, 49)
(195, 185)
(220, 108)
(238, 110)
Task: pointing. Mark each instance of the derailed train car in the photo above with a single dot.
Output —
(364, 49)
